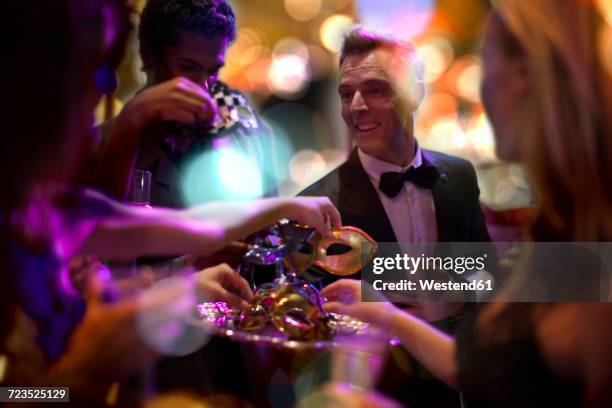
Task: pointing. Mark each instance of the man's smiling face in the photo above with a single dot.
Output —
(371, 108)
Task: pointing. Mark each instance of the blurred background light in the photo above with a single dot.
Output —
(463, 78)
(435, 107)
(278, 150)
(239, 174)
(605, 46)
(446, 133)
(437, 54)
(332, 30)
(480, 136)
(221, 174)
(285, 59)
(320, 62)
(290, 45)
(298, 128)
(605, 8)
(306, 167)
(403, 18)
(468, 82)
(288, 75)
(302, 10)
(257, 75)
(340, 4)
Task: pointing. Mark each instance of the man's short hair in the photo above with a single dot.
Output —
(161, 21)
(360, 40)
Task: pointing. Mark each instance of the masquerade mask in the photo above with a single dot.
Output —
(340, 254)
(291, 307)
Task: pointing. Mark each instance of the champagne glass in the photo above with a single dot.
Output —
(140, 191)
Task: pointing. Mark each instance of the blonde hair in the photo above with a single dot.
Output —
(565, 120)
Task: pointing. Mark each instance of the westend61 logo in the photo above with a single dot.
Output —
(412, 264)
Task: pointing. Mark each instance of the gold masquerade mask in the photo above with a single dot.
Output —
(292, 308)
(340, 254)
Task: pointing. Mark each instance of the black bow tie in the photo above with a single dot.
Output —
(391, 182)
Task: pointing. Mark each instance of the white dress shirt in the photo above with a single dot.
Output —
(412, 212)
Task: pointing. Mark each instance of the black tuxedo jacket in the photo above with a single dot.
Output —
(459, 218)
(458, 214)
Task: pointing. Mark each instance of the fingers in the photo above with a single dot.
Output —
(336, 307)
(319, 213)
(222, 295)
(345, 290)
(189, 109)
(197, 96)
(331, 213)
(222, 283)
(239, 286)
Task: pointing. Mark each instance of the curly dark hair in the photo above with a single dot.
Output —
(161, 20)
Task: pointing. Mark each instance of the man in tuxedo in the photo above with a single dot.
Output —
(394, 190)
(390, 187)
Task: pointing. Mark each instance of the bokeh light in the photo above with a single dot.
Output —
(164, 321)
(278, 151)
(480, 136)
(446, 134)
(437, 54)
(290, 45)
(605, 8)
(468, 82)
(296, 128)
(302, 10)
(333, 157)
(306, 167)
(332, 31)
(605, 47)
(288, 75)
(463, 78)
(402, 18)
(257, 75)
(224, 173)
(434, 107)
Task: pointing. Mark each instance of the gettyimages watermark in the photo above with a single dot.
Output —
(484, 271)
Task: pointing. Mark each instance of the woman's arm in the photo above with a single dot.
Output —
(136, 231)
(434, 349)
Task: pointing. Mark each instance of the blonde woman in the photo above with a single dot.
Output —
(549, 99)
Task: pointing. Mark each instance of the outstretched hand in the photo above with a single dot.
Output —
(345, 297)
(315, 212)
(222, 284)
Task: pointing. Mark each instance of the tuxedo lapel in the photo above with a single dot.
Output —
(358, 201)
(443, 200)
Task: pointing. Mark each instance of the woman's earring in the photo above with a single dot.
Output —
(105, 79)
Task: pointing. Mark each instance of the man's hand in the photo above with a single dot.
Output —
(178, 100)
(222, 284)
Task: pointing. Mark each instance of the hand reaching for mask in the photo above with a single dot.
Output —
(345, 297)
(222, 284)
